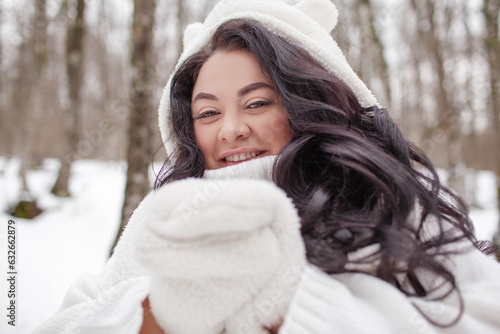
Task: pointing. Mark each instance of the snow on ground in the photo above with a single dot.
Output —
(73, 236)
(486, 217)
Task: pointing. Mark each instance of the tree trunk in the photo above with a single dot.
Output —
(377, 50)
(472, 148)
(28, 102)
(492, 42)
(1, 67)
(180, 26)
(444, 110)
(341, 32)
(74, 71)
(37, 45)
(139, 154)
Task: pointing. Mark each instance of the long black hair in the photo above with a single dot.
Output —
(353, 177)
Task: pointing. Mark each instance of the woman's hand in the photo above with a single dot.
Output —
(276, 328)
(149, 324)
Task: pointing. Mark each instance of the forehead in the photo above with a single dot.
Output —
(228, 71)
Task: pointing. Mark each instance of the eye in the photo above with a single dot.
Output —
(206, 114)
(258, 104)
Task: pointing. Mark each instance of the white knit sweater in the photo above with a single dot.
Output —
(343, 303)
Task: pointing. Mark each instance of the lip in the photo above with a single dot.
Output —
(240, 151)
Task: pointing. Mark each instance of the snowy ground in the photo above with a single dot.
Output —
(73, 236)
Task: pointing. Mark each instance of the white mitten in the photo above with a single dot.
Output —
(223, 255)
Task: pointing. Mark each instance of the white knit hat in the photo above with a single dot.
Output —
(307, 24)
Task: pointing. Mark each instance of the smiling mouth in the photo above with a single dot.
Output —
(242, 156)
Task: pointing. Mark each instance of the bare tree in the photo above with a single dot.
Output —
(3, 120)
(181, 24)
(376, 48)
(74, 71)
(32, 66)
(141, 110)
(491, 9)
(1, 59)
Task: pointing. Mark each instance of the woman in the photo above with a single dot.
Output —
(388, 248)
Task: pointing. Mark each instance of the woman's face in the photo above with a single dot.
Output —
(237, 113)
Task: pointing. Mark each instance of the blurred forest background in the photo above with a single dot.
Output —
(82, 79)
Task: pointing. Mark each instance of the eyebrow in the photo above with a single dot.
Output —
(254, 86)
(204, 96)
(245, 90)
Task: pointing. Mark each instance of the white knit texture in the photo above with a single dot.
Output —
(363, 304)
(260, 169)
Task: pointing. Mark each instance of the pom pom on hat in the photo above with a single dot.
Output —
(192, 30)
(323, 12)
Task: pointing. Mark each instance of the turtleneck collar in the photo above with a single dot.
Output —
(261, 168)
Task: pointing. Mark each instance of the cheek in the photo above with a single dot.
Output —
(283, 132)
(205, 138)
(282, 128)
(275, 131)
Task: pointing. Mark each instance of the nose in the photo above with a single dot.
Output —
(233, 128)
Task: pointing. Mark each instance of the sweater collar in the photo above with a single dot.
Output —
(261, 168)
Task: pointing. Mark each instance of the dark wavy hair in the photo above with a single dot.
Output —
(353, 177)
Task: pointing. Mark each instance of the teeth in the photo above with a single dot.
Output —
(242, 156)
